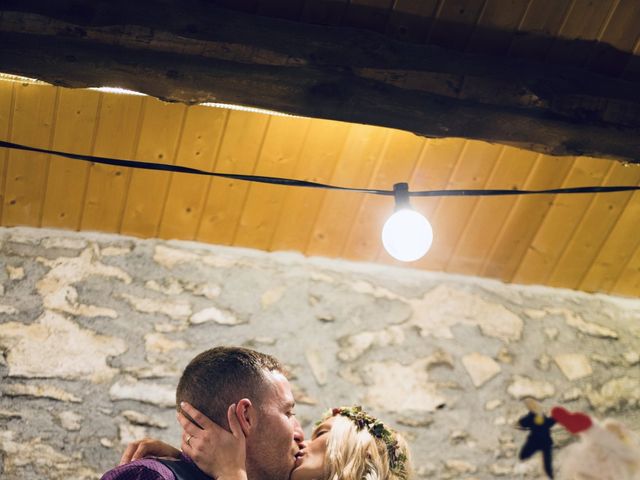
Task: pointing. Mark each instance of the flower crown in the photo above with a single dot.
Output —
(362, 420)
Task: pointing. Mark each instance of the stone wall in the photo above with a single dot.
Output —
(95, 329)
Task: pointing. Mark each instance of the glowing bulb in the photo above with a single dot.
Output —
(407, 235)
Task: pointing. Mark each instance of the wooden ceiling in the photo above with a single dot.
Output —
(586, 242)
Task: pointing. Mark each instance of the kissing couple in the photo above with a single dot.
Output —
(236, 410)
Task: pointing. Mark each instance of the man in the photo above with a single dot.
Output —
(264, 404)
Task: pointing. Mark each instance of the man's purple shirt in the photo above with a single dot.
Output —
(144, 469)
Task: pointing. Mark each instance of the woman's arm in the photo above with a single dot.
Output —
(148, 447)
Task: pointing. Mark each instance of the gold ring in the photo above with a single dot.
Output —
(188, 439)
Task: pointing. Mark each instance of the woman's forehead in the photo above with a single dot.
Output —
(326, 423)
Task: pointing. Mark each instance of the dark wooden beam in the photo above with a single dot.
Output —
(193, 52)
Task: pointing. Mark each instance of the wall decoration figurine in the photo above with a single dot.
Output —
(539, 437)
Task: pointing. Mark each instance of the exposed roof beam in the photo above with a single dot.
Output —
(192, 52)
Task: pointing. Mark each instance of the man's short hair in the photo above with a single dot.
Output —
(218, 377)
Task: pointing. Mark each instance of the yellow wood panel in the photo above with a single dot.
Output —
(239, 151)
(159, 137)
(455, 22)
(584, 21)
(496, 26)
(75, 129)
(631, 71)
(612, 258)
(201, 138)
(542, 21)
(339, 209)
(490, 213)
(629, 281)
(116, 136)
(6, 114)
(288, 9)
(324, 12)
(410, 20)
(544, 18)
(320, 154)
(434, 170)
(369, 14)
(621, 30)
(242, 5)
(560, 222)
(452, 213)
(621, 34)
(525, 217)
(396, 164)
(594, 228)
(279, 156)
(32, 124)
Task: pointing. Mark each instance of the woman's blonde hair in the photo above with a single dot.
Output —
(353, 453)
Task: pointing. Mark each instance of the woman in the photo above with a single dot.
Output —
(346, 444)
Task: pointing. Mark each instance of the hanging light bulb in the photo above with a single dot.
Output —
(406, 235)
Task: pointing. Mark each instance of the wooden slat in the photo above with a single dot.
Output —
(560, 222)
(434, 170)
(116, 136)
(6, 115)
(583, 23)
(203, 131)
(248, 6)
(629, 281)
(593, 230)
(395, 165)
(542, 21)
(411, 20)
(278, 158)
(524, 218)
(621, 33)
(489, 213)
(75, 132)
(452, 213)
(632, 70)
(496, 26)
(32, 124)
(287, 9)
(614, 255)
(320, 154)
(340, 209)
(369, 14)
(455, 22)
(239, 152)
(324, 12)
(159, 137)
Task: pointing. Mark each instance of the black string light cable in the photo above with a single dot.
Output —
(303, 183)
(406, 235)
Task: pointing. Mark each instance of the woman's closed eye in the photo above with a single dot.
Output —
(319, 433)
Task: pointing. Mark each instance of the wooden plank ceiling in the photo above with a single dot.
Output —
(586, 242)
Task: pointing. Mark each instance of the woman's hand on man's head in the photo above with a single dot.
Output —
(217, 452)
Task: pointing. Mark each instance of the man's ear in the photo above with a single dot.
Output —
(247, 416)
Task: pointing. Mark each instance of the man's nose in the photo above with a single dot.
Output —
(298, 433)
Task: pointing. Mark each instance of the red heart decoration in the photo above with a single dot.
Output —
(574, 422)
